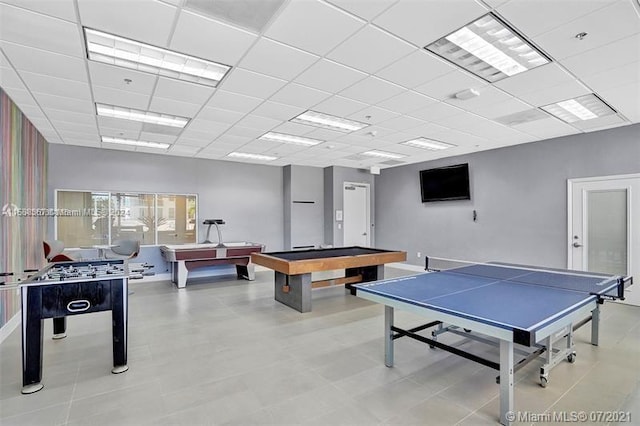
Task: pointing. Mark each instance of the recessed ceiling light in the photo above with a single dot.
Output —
(326, 121)
(123, 52)
(489, 49)
(583, 108)
(428, 144)
(138, 115)
(120, 141)
(382, 154)
(292, 139)
(251, 156)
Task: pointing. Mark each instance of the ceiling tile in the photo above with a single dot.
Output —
(277, 60)
(435, 112)
(500, 109)
(252, 84)
(365, 9)
(625, 100)
(539, 78)
(555, 94)
(64, 9)
(612, 78)
(63, 103)
(116, 78)
(448, 85)
(299, 95)
(406, 102)
(562, 43)
(408, 19)
(220, 115)
(330, 76)
(109, 17)
(294, 129)
(599, 123)
(245, 132)
(9, 79)
(184, 150)
(233, 101)
(373, 115)
(209, 39)
(303, 24)
(278, 111)
(88, 119)
(415, 69)
(182, 91)
(108, 95)
(533, 17)
(170, 106)
(613, 55)
(56, 86)
(196, 142)
(370, 49)
(339, 106)
(372, 90)
(402, 123)
(32, 29)
(29, 59)
(258, 122)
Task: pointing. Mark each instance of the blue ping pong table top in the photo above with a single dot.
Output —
(501, 295)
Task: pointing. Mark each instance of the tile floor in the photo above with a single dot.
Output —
(223, 351)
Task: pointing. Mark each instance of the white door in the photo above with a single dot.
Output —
(604, 227)
(356, 218)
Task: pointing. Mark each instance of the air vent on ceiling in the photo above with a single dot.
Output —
(521, 117)
(162, 130)
(392, 162)
(250, 14)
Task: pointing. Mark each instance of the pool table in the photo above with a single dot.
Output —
(186, 257)
(293, 270)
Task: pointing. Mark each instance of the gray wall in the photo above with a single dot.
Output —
(519, 193)
(334, 178)
(248, 197)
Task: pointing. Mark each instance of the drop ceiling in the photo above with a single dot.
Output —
(363, 60)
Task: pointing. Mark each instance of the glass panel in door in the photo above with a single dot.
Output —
(607, 231)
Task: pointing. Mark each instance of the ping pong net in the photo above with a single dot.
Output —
(604, 286)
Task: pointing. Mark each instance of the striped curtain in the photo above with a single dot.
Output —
(23, 184)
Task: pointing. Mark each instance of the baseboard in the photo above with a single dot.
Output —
(8, 328)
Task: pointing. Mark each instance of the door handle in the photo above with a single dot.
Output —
(364, 233)
(576, 245)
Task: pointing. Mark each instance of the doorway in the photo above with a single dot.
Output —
(604, 227)
(357, 215)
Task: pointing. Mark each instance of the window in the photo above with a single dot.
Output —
(97, 218)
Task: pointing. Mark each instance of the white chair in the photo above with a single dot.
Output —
(123, 249)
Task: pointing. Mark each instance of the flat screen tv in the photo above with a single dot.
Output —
(445, 183)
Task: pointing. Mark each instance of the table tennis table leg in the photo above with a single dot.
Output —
(388, 336)
(506, 382)
(595, 325)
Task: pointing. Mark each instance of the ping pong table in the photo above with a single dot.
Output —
(520, 308)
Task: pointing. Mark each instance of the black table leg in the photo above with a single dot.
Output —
(32, 339)
(119, 315)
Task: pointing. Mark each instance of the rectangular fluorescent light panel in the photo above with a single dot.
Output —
(582, 108)
(489, 49)
(120, 141)
(292, 139)
(248, 156)
(382, 154)
(143, 116)
(123, 52)
(428, 144)
(326, 121)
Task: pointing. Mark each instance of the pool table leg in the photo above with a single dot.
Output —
(299, 295)
(369, 273)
